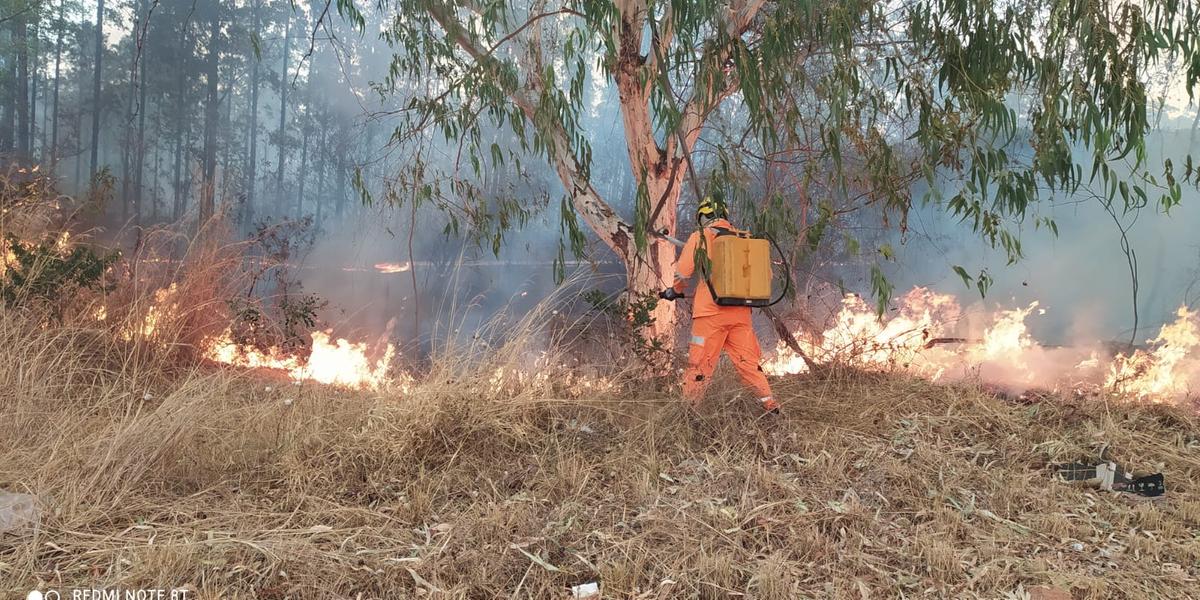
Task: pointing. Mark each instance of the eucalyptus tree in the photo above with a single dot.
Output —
(939, 88)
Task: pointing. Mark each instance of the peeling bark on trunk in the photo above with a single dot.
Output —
(660, 169)
(653, 269)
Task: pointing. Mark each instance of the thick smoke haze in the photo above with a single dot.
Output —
(1081, 277)
(293, 116)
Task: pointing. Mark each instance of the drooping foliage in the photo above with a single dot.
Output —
(992, 106)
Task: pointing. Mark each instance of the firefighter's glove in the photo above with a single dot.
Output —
(670, 294)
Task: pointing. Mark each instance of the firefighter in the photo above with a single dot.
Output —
(716, 328)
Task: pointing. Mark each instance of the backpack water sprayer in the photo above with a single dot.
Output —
(739, 272)
(737, 268)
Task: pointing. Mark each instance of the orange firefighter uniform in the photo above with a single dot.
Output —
(716, 328)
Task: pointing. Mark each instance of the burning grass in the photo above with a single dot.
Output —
(928, 335)
(503, 469)
(455, 487)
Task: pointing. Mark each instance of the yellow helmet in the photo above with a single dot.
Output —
(710, 208)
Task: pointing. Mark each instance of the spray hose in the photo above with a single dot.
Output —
(787, 271)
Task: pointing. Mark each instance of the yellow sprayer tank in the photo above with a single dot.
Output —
(741, 270)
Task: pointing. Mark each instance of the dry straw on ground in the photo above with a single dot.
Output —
(152, 471)
(869, 486)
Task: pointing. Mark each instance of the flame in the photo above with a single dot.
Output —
(62, 245)
(1008, 337)
(859, 338)
(918, 337)
(1169, 369)
(393, 267)
(7, 256)
(344, 363)
(162, 310)
(333, 362)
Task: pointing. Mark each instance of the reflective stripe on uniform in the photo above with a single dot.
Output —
(697, 340)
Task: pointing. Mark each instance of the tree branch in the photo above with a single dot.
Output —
(697, 109)
(586, 200)
(16, 15)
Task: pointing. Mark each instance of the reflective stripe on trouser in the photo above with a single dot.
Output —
(732, 333)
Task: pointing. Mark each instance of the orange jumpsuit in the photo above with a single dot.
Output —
(716, 328)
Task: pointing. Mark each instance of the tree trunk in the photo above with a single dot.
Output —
(35, 78)
(183, 128)
(340, 165)
(81, 86)
(252, 168)
(226, 149)
(158, 135)
(58, 40)
(303, 173)
(176, 172)
(140, 162)
(284, 86)
(323, 155)
(21, 41)
(130, 135)
(8, 94)
(211, 116)
(96, 79)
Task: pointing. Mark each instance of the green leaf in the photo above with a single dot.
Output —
(962, 273)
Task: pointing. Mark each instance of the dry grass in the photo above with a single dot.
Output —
(152, 471)
(869, 486)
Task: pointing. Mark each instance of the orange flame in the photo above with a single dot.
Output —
(334, 362)
(161, 311)
(393, 267)
(7, 256)
(1170, 369)
(1005, 354)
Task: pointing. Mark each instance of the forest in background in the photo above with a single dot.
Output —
(254, 107)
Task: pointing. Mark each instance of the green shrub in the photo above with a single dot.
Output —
(48, 276)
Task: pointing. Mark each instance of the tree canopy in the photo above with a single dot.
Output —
(994, 105)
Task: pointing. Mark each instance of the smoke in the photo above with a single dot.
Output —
(337, 122)
(447, 288)
(1081, 277)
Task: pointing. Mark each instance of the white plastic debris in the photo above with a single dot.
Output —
(268, 389)
(585, 590)
(287, 402)
(1107, 473)
(575, 425)
(147, 396)
(1077, 547)
(17, 512)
